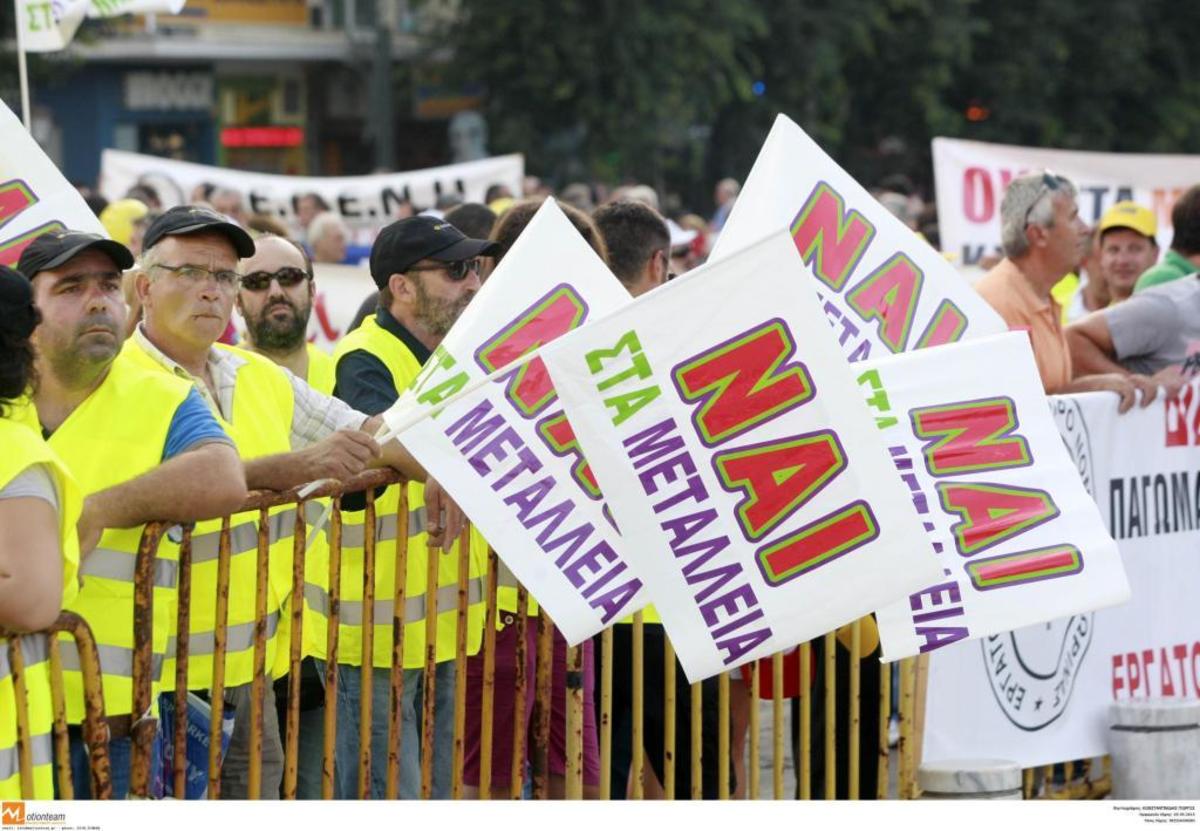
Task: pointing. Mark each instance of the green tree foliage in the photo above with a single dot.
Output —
(616, 88)
(605, 88)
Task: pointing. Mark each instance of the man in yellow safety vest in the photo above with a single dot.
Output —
(141, 445)
(427, 272)
(287, 433)
(275, 298)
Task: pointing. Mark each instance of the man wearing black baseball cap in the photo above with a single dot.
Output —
(287, 433)
(427, 271)
(143, 446)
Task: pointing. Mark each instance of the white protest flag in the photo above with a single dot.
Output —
(48, 25)
(1019, 537)
(34, 196)
(971, 176)
(753, 491)
(497, 438)
(366, 203)
(883, 289)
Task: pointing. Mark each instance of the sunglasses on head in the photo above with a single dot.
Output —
(1050, 182)
(261, 280)
(456, 271)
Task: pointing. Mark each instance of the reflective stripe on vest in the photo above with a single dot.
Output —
(112, 564)
(238, 638)
(350, 612)
(43, 754)
(243, 537)
(354, 533)
(34, 650)
(116, 661)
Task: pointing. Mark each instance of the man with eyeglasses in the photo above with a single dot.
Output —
(427, 272)
(287, 434)
(1043, 239)
(275, 298)
(143, 447)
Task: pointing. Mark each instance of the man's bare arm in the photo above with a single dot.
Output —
(340, 456)
(1091, 345)
(396, 454)
(203, 483)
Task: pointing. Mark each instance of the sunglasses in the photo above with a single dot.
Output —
(456, 271)
(286, 277)
(1050, 182)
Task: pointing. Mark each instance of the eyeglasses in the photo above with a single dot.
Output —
(1050, 182)
(196, 274)
(456, 271)
(286, 277)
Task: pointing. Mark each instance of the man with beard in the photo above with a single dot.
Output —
(142, 446)
(427, 272)
(286, 432)
(275, 297)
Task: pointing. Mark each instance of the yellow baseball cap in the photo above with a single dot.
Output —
(1130, 215)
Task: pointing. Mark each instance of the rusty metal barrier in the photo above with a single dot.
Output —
(835, 711)
(95, 728)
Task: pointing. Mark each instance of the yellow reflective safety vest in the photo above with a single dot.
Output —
(24, 448)
(117, 434)
(321, 375)
(260, 425)
(403, 365)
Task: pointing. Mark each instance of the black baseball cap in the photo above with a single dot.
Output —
(192, 219)
(406, 242)
(54, 248)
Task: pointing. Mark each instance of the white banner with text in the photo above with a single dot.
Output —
(970, 178)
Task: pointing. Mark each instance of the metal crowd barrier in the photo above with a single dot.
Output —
(44, 645)
(895, 772)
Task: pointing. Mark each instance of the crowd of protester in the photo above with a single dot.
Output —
(120, 386)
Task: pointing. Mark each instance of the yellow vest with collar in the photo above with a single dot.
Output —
(260, 425)
(403, 365)
(117, 434)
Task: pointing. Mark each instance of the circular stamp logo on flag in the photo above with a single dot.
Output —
(1032, 671)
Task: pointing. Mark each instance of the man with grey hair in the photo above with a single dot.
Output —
(327, 238)
(287, 434)
(1043, 238)
(229, 202)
